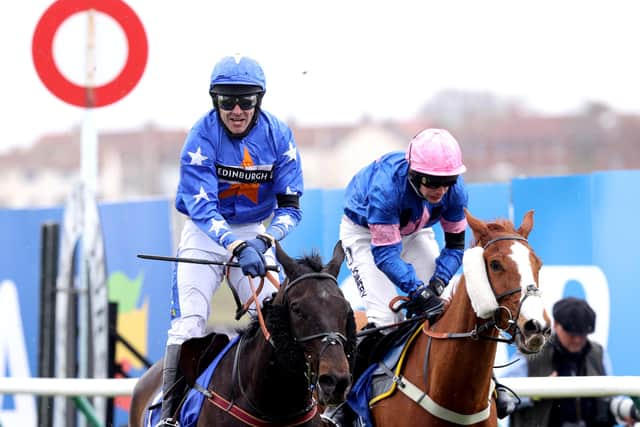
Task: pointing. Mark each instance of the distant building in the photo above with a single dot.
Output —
(496, 147)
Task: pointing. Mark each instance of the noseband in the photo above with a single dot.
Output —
(329, 338)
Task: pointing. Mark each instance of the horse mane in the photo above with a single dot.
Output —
(276, 317)
(311, 261)
(501, 224)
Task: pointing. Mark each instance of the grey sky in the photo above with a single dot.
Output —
(330, 61)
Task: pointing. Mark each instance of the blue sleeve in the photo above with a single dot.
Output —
(402, 274)
(288, 181)
(284, 220)
(197, 194)
(453, 220)
(447, 263)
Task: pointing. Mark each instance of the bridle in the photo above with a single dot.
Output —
(327, 339)
(512, 328)
(480, 330)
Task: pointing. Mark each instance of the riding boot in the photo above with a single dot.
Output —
(506, 400)
(172, 387)
(339, 416)
(365, 351)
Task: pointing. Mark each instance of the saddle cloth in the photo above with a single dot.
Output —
(193, 402)
(375, 384)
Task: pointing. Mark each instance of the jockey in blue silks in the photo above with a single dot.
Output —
(386, 231)
(239, 166)
(390, 246)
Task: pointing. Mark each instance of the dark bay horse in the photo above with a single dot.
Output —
(448, 367)
(302, 349)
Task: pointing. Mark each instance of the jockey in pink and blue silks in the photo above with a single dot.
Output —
(386, 231)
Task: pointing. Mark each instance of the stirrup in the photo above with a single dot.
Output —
(507, 401)
(168, 422)
(329, 421)
(338, 416)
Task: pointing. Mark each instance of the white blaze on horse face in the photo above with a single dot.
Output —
(533, 306)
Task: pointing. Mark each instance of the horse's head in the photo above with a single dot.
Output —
(502, 280)
(320, 337)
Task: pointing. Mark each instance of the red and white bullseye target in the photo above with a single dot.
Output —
(58, 84)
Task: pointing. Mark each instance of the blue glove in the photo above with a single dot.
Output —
(261, 244)
(250, 259)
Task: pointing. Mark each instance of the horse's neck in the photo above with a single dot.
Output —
(459, 316)
(266, 382)
(464, 356)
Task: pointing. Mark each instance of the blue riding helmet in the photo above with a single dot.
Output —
(237, 75)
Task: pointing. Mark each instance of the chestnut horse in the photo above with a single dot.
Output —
(301, 349)
(447, 375)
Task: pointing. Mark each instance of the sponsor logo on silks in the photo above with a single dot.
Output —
(244, 176)
(359, 284)
(245, 179)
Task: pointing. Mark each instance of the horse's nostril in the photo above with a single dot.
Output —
(532, 327)
(334, 384)
(327, 381)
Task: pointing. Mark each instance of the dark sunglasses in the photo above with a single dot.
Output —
(432, 181)
(246, 102)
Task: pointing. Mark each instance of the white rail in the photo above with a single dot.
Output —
(543, 387)
(68, 386)
(552, 387)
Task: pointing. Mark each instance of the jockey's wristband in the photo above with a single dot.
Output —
(267, 239)
(237, 247)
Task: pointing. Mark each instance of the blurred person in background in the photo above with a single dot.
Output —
(569, 353)
(239, 166)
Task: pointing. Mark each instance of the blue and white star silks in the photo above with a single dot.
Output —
(284, 220)
(218, 225)
(201, 195)
(197, 158)
(292, 152)
(226, 181)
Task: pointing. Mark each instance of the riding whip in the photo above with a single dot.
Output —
(275, 268)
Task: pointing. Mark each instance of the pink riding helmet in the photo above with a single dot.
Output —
(435, 152)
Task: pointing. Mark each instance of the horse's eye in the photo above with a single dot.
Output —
(495, 265)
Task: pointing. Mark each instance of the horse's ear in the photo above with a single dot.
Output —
(333, 267)
(527, 224)
(479, 228)
(289, 264)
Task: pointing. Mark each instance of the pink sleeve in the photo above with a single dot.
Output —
(453, 227)
(385, 234)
